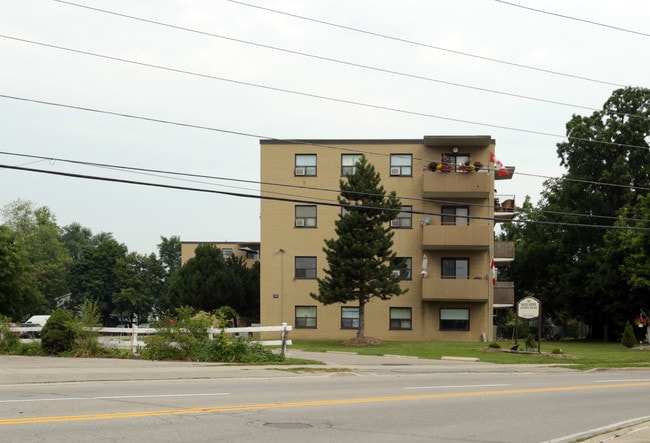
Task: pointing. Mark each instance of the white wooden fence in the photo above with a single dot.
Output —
(135, 344)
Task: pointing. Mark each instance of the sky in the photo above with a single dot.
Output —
(191, 86)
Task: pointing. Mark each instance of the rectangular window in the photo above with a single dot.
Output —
(306, 317)
(457, 161)
(305, 267)
(400, 318)
(455, 215)
(401, 164)
(404, 218)
(305, 216)
(455, 268)
(305, 164)
(349, 317)
(348, 162)
(403, 267)
(226, 252)
(454, 319)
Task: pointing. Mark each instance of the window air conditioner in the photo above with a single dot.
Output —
(300, 171)
(300, 222)
(395, 171)
(394, 223)
(397, 273)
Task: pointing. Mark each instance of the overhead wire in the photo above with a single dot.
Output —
(568, 17)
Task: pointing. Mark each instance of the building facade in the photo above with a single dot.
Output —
(249, 251)
(444, 235)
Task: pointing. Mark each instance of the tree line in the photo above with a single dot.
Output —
(44, 266)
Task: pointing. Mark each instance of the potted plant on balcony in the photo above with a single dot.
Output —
(439, 166)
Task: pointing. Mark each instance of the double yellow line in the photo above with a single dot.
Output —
(217, 409)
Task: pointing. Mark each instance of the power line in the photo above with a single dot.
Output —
(166, 174)
(616, 28)
(294, 200)
(411, 42)
(305, 54)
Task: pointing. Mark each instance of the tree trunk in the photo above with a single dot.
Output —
(362, 322)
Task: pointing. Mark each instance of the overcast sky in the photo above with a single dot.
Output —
(436, 88)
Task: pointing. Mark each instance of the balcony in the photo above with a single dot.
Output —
(436, 184)
(456, 237)
(504, 207)
(504, 294)
(450, 289)
(504, 252)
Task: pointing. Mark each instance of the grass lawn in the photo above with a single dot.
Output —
(584, 354)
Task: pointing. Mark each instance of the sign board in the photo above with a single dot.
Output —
(528, 308)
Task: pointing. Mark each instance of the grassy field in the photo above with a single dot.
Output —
(577, 354)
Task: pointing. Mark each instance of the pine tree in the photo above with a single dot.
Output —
(360, 259)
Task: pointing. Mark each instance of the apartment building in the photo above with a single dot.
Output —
(444, 234)
(249, 251)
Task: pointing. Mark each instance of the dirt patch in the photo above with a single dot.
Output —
(363, 341)
(544, 354)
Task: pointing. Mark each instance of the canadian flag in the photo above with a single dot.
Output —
(498, 166)
(494, 273)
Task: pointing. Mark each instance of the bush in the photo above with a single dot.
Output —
(531, 344)
(86, 339)
(8, 340)
(628, 339)
(57, 335)
(557, 351)
(495, 345)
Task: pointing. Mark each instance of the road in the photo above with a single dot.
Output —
(375, 399)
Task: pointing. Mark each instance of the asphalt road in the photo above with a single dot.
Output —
(352, 398)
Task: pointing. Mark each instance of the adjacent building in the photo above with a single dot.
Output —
(249, 251)
(444, 235)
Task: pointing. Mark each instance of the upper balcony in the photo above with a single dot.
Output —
(456, 237)
(455, 184)
(504, 252)
(504, 208)
(452, 289)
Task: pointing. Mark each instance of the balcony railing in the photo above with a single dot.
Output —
(504, 252)
(504, 207)
(504, 294)
(456, 237)
(437, 184)
(451, 289)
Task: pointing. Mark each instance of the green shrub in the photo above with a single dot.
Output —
(8, 339)
(180, 338)
(495, 345)
(628, 339)
(57, 335)
(86, 339)
(557, 351)
(531, 344)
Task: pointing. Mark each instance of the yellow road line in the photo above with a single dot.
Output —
(216, 409)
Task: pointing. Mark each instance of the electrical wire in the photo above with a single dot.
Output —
(568, 17)
(425, 45)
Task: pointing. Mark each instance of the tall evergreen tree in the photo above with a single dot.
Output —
(360, 257)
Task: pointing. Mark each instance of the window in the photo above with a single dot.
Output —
(306, 317)
(305, 267)
(403, 267)
(348, 162)
(400, 318)
(305, 164)
(455, 268)
(401, 164)
(305, 216)
(455, 160)
(455, 215)
(226, 252)
(403, 219)
(454, 319)
(349, 317)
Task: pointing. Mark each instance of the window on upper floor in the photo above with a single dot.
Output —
(226, 252)
(306, 317)
(305, 216)
(457, 268)
(401, 164)
(455, 160)
(348, 163)
(401, 318)
(454, 319)
(305, 164)
(305, 268)
(349, 317)
(455, 215)
(403, 267)
(404, 219)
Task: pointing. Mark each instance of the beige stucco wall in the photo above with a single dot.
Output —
(281, 241)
